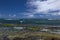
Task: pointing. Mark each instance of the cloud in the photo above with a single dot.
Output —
(31, 16)
(9, 15)
(28, 15)
(0, 15)
(47, 7)
(14, 15)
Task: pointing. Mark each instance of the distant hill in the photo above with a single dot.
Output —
(31, 21)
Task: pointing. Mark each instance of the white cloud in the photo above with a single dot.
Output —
(58, 13)
(9, 15)
(0, 15)
(41, 16)
(14, 15)
(44, 6)
(27, 13)
(30, 15)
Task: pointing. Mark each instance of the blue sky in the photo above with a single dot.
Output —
(30, 9)
(12, 8)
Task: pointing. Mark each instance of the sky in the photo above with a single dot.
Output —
(30, 9)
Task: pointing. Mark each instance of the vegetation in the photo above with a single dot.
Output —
(7, 25)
